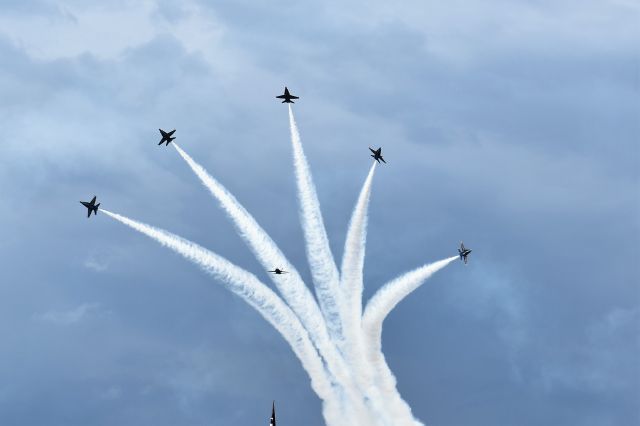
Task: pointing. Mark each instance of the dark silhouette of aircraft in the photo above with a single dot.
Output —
(91, 206)
(287, 97)
(166, 136)
(272, 420)
(278, 271)
(463, 252)
(377, 154)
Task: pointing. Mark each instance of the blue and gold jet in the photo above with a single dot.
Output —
(272, 420)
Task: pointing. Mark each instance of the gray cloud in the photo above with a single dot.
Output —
(509, 125)
(72, 316)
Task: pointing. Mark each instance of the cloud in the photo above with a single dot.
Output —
(104, 31)
(73, 316)
(606, 362)
(509, 124)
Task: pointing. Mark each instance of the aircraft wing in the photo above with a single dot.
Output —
(163, 133)
(372, 150)
(172, 132)
(93, 200)
(293, 97)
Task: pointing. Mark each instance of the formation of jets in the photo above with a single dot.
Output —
(287, 97)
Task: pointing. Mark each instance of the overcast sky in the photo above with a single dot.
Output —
(513, 125)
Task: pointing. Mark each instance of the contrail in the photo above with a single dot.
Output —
(290, 285)
(352, 282)
(252, 291)
(378, 307)
(352, 286)
(323, 267)
(392, 293)
(324, 272)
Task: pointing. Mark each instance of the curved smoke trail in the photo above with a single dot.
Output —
(252, 291)
(323, 267)
(378, 307)
(352, 284)
(354, 251)
(291, 286)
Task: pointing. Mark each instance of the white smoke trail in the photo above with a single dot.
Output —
(378, 307)
(340, 405)
(252, 291)
(291, 286)
(352, 285)
(354, 251)
(323, 267)
(352, 269)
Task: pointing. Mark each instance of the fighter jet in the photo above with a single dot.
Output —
(272, 420)
(463, 252)
(278, 271)
(166, 136)
(287, 97)
(377, 154)
(91, 206)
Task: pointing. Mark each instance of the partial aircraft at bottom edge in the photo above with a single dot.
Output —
(272, 420)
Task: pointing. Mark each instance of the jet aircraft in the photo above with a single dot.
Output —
(287, 97)
(91, 206)
(278, 271)
(272, 420)
(167, 136)
(463, 252)
(377, 154)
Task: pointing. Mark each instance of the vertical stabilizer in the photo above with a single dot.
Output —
(272, 421)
